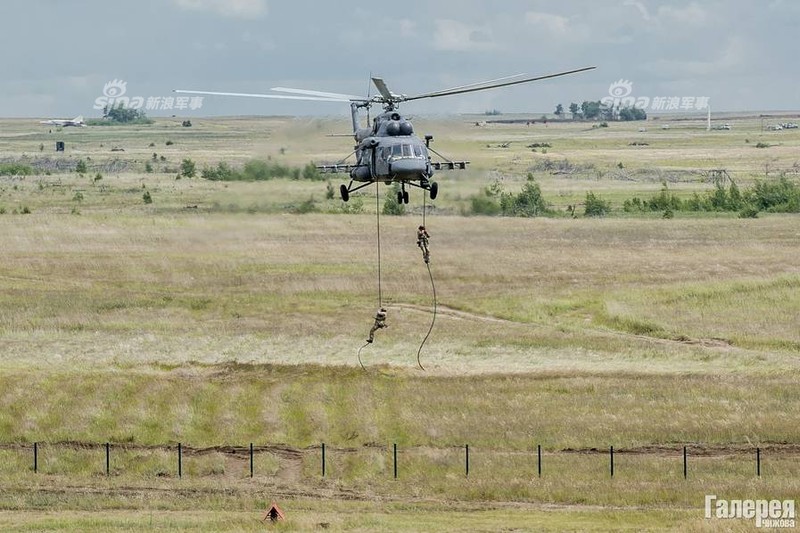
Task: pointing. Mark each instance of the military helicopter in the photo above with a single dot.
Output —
(388, 151)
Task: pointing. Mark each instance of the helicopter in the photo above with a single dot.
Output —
(388, 151)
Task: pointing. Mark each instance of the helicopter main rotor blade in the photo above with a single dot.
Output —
(276, 96)
(494, 85)
(383, 89)
(322, 94)
(476, 84)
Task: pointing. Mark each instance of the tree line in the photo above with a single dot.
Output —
(596, 110)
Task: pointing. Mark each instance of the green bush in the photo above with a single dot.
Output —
(782, 196)
(483, 204)
(188, 168)
(306, 207)
(596, 206)
(310, 172)
(259, 170)
(528, 203)
(749, 211)
(80, 168)
(147, 198)
(390, 205)
(15, 169)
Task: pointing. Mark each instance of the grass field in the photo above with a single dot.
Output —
(216, 316)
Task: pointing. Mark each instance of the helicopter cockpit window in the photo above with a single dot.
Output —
(398, 151)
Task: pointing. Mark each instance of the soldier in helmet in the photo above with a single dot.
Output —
(422, 242)
(380, 322)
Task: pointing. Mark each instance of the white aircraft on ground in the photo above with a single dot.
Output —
(64, 122)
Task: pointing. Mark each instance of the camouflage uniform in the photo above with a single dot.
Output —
(422, 242)
(380, 322)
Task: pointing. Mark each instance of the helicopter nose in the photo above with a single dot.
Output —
(408, 168)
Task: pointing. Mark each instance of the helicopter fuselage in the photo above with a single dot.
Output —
(390, 152)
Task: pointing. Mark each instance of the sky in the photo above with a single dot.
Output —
(58, 56)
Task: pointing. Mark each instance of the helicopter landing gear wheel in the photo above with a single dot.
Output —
(405, 197)
(399, 197)
(345, 193)
(434, 190)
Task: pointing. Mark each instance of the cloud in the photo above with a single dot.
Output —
(641, 7)
(731, 59)
(452, 35)
(246, 9)
(555, 24)
(691, 15)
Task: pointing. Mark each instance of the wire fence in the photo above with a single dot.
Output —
(390, 459)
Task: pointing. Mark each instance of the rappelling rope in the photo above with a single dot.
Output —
(378, 223)
(433, 321)
(378, 232)
(359, 356)
(433, 288)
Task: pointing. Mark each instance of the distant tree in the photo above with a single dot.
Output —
(632, 113)
(124, 115)
(590, 110)
(559, 112)
(575, 110)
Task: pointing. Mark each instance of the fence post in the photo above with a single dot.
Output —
(180, 461)
(539, 459)
(35, 457)
(466, 459)
(394, 457)
(758, 462)
(108, 459)
(685, 464)
(323, 459)
(251, 459)
(612, 461)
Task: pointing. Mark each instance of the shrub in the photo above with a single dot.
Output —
(782, 196)
(147, 198)
(749, 211)
(596, 206)
(483, 204)
(354, 207)
(188, 168)
(664, 200)
(311, 172)
(528, 203)
(391, 205)
(306, 207)
(80, 168)
(15, 169)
